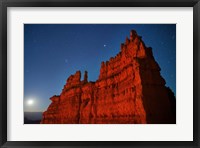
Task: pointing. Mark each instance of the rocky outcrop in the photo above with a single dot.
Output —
(129, 90)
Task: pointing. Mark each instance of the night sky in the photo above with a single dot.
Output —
(52, 52)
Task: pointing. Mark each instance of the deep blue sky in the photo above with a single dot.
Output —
(52, 52)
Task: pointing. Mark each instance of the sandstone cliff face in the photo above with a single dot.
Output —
(129, 90)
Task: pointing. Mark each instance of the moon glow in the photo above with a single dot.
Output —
(30, 102)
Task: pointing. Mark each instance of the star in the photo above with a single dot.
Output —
(104, 45)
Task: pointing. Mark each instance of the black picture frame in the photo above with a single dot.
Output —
(4, 4)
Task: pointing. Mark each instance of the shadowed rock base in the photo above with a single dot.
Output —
(129, 90)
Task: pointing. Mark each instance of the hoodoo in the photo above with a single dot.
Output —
(129, 90)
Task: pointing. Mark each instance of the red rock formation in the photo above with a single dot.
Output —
(129, 89)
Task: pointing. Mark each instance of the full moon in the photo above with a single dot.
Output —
(30, 102)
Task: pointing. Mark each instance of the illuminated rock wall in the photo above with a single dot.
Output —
(129, 90)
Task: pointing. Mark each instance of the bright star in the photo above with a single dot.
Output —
(104, 45)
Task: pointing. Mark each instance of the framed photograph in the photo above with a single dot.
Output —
(99, 73)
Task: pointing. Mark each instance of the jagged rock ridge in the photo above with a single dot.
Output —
(129, 90)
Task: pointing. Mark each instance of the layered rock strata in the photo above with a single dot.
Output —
(129, 90)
